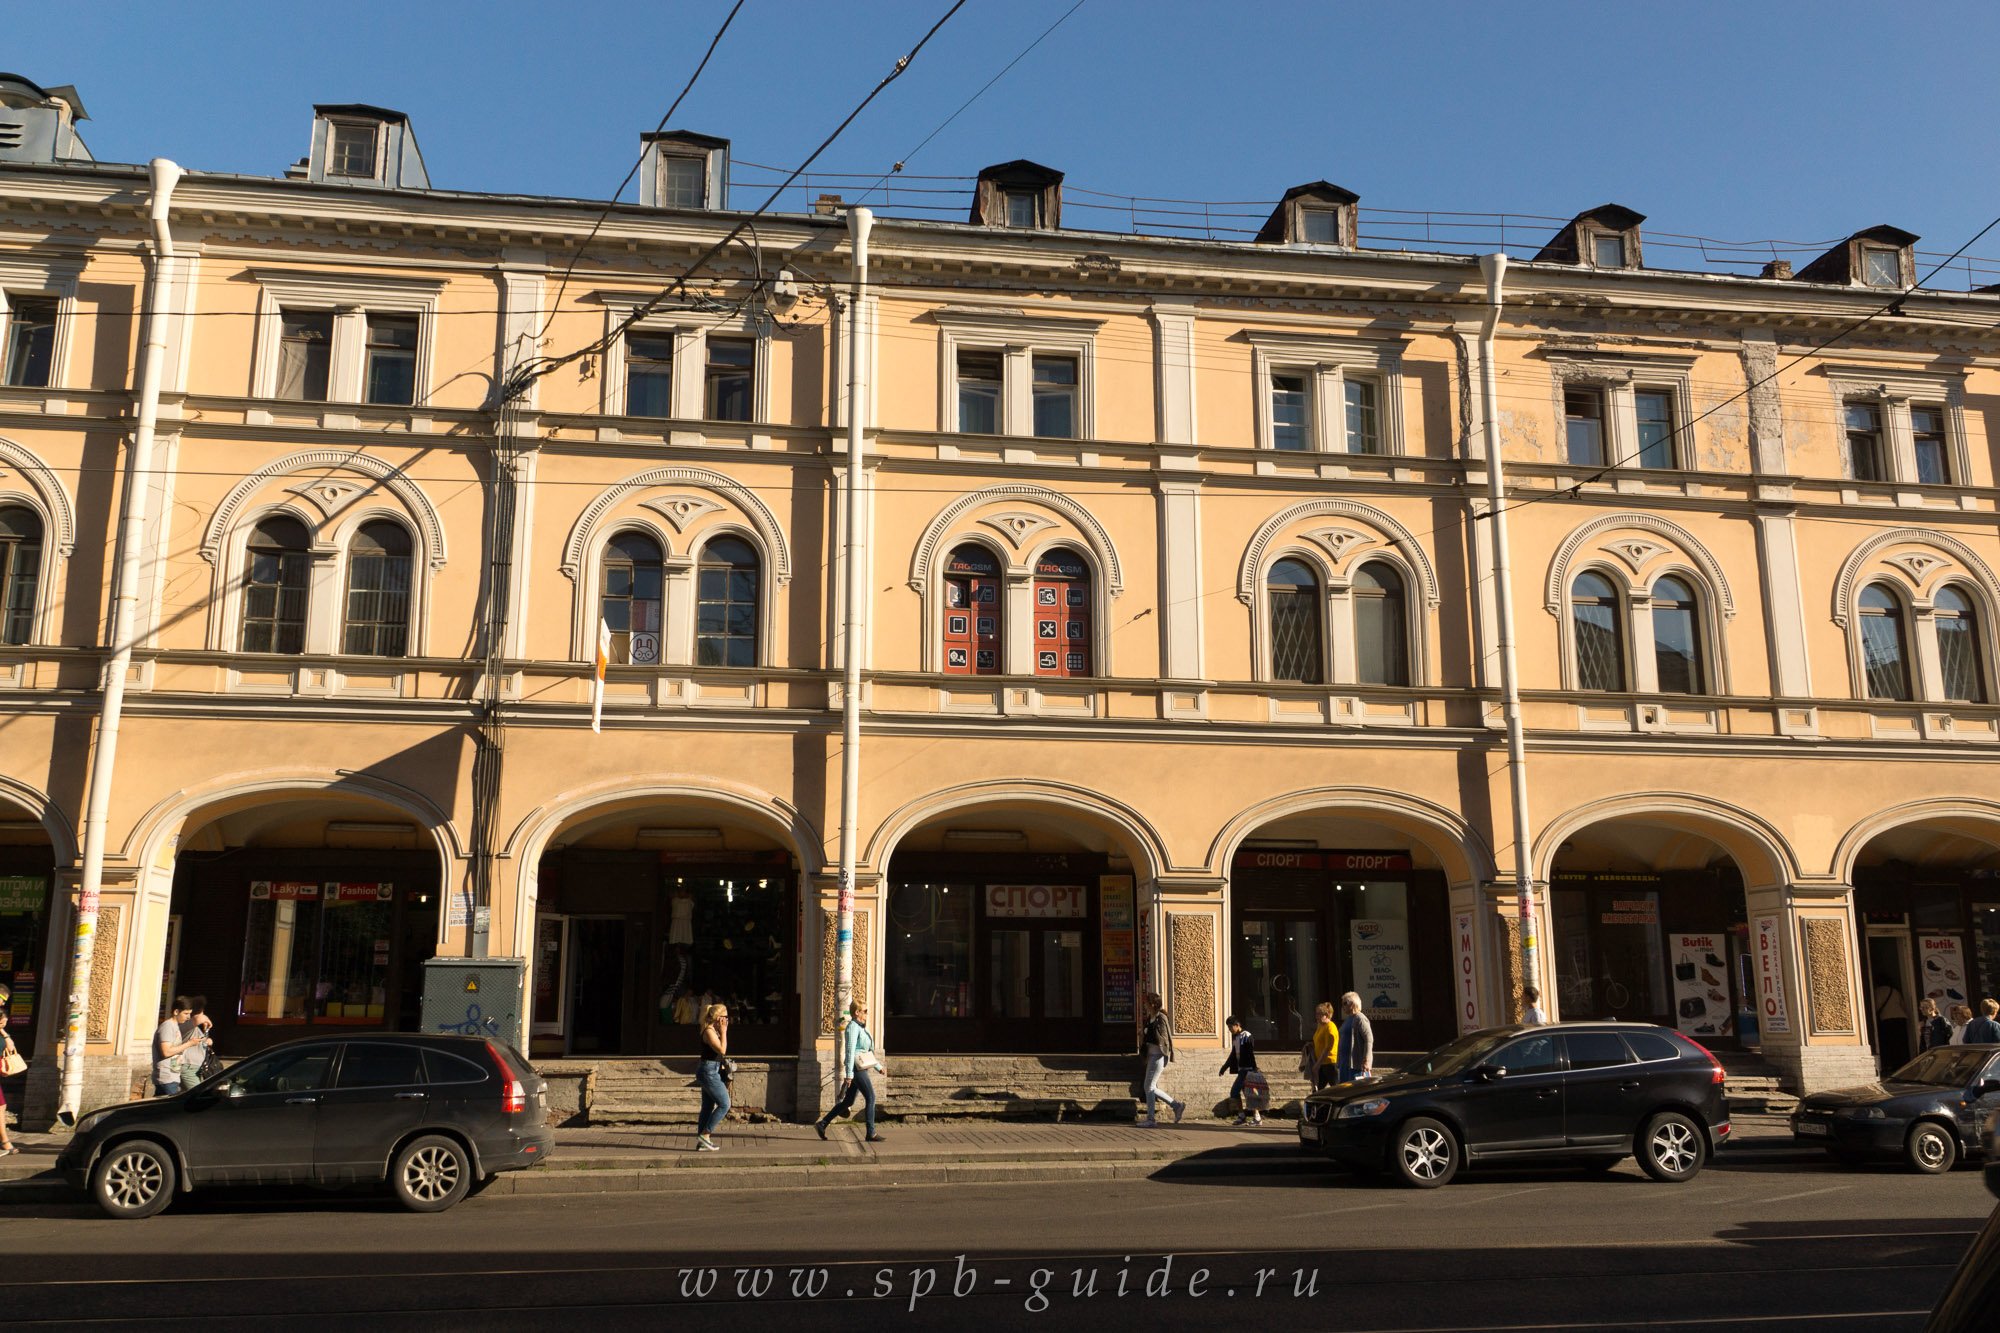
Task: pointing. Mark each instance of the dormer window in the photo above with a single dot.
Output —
(683, 182)
(1319, 226)
(1317, 213)
(1605, 237)
(1880, 257)
(1020, 208)
(1021, 194)
(1608, 251)
(352, 151)
(682, 169)
(1881, 266)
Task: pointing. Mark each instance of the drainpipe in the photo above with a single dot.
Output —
(859, 222)
(1494, 267)
(124, 607)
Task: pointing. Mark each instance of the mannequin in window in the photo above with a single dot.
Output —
(680, 928)
(678, 963)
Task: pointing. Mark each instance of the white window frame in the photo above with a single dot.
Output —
(44, 280)
(345, 530)
(1017, 605)
(326, 588)
(351, 298)
(680, 562)
(378, 130)
(1339, 635)
(690, 331)
(1893, 393)
(1926, 666)
(1018, 336)
(1635, 602)
(1621, 379)
(1327, 364)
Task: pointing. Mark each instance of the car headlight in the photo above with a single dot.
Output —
(1373, 1106)
(1864, 1113)
(91, 1121)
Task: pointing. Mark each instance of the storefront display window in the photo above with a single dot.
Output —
(1378, 936)
(930, 950)
(24, 904)
(278, 951)
(357, 922)
(1661, 947)
(729, 941)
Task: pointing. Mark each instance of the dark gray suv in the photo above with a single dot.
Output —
(434, 1116)
(1590, 1092)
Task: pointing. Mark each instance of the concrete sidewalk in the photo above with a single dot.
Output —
(613, 1160)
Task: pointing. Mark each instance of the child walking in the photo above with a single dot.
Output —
(1242, 1062)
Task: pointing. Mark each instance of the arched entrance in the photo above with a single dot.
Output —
(1927, 908)
(1011, 927)
(648, 908)
(27, 901)
(1326, 901)
(1648, 923)
(300, 912)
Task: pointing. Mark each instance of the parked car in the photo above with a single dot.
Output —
(1928, 1113)
(434, 1116)
(1590, 1092)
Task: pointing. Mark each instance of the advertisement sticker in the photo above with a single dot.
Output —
(1701, 985)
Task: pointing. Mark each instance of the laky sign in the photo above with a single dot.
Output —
(1035, 900)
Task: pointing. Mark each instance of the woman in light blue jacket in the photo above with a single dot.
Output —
(857, 1058)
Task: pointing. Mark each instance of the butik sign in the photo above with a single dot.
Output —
(1943, 966)
(1036, 900)
(1768, 945)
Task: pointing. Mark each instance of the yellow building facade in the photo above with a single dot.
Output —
(1180, 645)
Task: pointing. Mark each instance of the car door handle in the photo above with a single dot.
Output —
(301, 1101)
(1546, 1092)
(419, 1096)
(1629, 1085)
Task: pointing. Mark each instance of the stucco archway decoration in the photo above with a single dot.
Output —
(1847, 586)
(45, 487)
(37, 806)
(946, 525)
(171, 813)
(1634, 555)
(779, 818)
(1459, 848)
(1967, 816)
(330, 497)
(1762, 854)
(753, 509)
(1140, 836)
(1391, 531)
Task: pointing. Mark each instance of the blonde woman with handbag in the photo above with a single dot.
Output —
(11, 1063)
(858, 1062)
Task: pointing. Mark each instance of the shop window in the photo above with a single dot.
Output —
(633, 578)
(1677, 651)
(929, 950)
(276, 575)
(20, 572)
(729, 941)
(1062, 614)
(725, 631)
(972, 612)
(378, 592)
(31, 340)
(1885, 644)
(305, 354)
(729, 379)
(1600, 645)
(318, 953)
(1298, 632)
(1963, 673)
(1381, 626)
(649, 374)
(24, 907)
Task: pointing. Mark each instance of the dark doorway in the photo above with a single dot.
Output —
(597, 985)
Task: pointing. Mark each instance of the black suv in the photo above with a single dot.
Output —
(433, 1115)
(1594, 1092)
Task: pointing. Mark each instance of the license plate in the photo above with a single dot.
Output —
(1308, 1133)
(1808, 1127)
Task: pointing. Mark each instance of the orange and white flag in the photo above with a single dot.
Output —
(597, 681)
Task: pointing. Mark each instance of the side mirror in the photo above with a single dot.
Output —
(1984, 1087)
(1489, 1073)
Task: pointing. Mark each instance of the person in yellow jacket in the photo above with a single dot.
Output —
(1326, 1046)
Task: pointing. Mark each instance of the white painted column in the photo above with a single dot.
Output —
(1180, 580)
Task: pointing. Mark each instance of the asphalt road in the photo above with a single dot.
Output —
(1771, 1244)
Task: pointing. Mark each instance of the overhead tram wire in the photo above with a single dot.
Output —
(538, 367)
(577, 254)
(1682, 432)
(1022, 55)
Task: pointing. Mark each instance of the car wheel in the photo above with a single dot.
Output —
(133, 1179)
(1670, 1147)
(1424, 1153)
(1931, 1149)
(430, 1174)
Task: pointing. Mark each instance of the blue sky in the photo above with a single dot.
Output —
(1737, 121)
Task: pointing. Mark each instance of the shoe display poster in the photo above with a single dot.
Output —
(1943, 970)
(1701, 985)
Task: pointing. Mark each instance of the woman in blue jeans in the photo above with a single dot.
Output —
(857, 1058)
(714, 1093)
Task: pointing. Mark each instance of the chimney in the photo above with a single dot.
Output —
(828, 205)
(1779, 270)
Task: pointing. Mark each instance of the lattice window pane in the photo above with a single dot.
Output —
(1295, 636)
(1600, 658)
(1883, 656)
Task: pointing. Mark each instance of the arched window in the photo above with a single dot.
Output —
(1959, 661)
(1062, 614)
(20, 571)
(1381, 630)
(972, 612)
(1298, 650)
(378, 592)
(276, 577)
(630, 600)
(1677, 652)
(1885, 644)
(725, 614)
(1600, 645)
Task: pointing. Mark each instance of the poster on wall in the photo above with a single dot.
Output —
(1771, 1012)
(1942, 963)
(1119, 946)
(23, 893)
(1701, 985)
(1381, 956)
(1467, 978)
